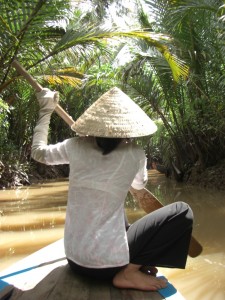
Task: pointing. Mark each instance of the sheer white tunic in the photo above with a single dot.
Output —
(95, 234)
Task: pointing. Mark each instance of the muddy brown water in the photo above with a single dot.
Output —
(32, 217)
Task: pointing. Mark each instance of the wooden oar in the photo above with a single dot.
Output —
(59, 110)
(148, 202)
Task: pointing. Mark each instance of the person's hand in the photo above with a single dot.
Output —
(47, 99)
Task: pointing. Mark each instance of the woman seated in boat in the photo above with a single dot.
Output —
(96, 241)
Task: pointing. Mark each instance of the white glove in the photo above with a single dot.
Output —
(47, 99)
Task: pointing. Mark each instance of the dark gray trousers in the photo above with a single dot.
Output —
(160, 238)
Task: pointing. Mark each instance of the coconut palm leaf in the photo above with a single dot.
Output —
(68, 76)
(27, 22)
(35, 38)
(22, 28)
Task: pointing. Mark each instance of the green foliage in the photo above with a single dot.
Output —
(174, 70)
(192, 110)
(4, 124)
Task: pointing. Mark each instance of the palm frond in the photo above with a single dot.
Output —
(178, 67)
(29, 22)
(69, 76)
(159, 41)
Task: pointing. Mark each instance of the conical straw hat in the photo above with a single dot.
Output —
(114, 114)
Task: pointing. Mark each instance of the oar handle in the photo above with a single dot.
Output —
(59, 110)
(148, 202)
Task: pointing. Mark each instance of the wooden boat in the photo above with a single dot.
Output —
(45, 274)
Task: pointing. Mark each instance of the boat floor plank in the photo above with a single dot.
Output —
(61, 283)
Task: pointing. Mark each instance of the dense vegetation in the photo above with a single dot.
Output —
(167, 55)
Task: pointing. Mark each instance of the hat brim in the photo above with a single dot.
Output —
(114, 114)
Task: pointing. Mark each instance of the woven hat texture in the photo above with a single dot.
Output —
(114, 114)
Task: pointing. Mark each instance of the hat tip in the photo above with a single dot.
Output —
(114, 89)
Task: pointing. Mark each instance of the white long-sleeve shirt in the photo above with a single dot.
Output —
(95, 234)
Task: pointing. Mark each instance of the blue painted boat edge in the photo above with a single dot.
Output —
(31, 268)
(19, 271)
(3, 284)
(169, 292)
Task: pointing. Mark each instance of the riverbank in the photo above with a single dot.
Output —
(213, 177)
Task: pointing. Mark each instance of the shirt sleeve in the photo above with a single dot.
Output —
(141, 178)
(40, 151)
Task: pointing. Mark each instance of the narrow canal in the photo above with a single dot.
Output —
(32, 217)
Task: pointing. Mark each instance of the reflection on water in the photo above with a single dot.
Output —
(32, 217)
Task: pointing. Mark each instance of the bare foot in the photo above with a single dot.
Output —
(132, 278)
